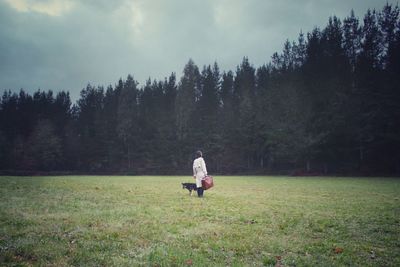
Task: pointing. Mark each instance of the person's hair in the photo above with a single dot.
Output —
(198, 154)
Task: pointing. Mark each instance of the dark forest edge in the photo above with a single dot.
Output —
(328, 104)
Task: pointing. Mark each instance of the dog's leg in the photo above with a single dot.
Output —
(190, 192)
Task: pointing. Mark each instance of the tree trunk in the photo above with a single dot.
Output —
(361, 152)
(129, 157)
(361, 156)
(397, 170)
(270, 163)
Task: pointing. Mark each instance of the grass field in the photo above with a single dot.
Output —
(242, 221)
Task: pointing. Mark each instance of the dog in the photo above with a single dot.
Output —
(190, 187)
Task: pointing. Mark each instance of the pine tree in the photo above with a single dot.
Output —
(188, 95)
(91, 128)
(208, 110)
(352, 39)
(228, 122)
(244, 99)
(127, 121)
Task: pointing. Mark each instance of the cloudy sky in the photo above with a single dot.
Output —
(65, 44)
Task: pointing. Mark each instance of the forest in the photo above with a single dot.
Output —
(328, 103)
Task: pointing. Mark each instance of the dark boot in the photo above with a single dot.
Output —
(200, 192)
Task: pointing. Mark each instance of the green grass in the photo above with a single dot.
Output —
(242, 221)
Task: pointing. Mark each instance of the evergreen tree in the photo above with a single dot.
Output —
(387, 20)
(352, 39)
(186, 119)
(228, 123)
(244, 99)
(168, 131)
(109, 117)
(208, 110)
(367, 86)
(90, 128)
(386, 121)
(127, 121)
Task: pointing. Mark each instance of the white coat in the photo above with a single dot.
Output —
(199, 170)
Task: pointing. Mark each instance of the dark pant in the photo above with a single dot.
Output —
(200, 191)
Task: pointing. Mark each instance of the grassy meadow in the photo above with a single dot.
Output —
(242, 221)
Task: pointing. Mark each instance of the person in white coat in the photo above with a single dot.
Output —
(199, 172)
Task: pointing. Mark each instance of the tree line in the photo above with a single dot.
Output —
(328, 103)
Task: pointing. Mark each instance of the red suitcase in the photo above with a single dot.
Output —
(207, 182)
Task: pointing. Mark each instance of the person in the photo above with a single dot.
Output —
(199, 172)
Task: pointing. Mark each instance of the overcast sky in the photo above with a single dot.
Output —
(65, 44)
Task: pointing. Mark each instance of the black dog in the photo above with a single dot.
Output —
(190, 187)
